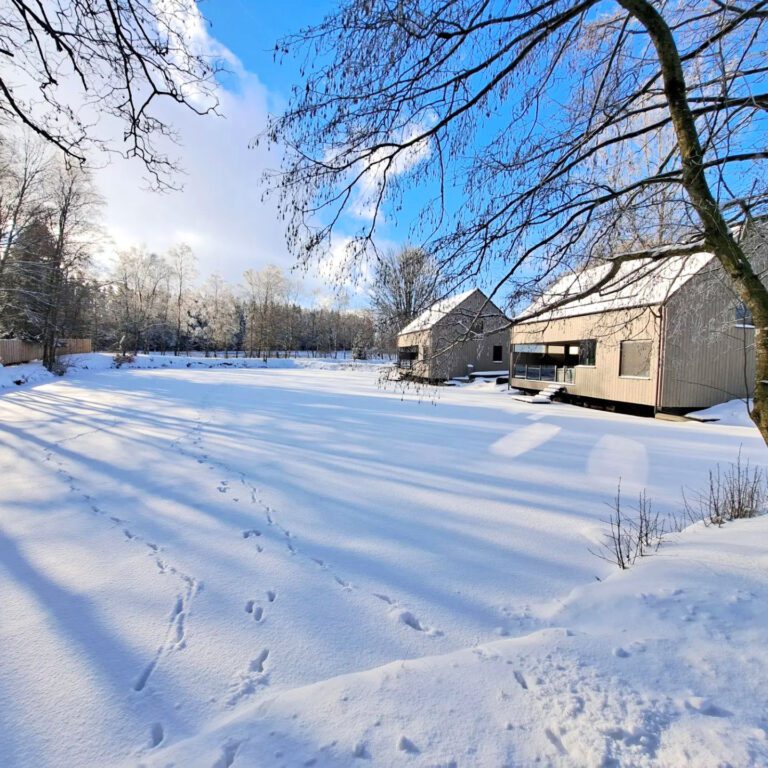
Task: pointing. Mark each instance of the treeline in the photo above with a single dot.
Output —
(49, 290)
(154, 303)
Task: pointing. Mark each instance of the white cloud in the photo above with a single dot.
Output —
(219, 213)
(369, 188)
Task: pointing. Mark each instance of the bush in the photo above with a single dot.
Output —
(120, 359)
(737, 492)
(631, 535)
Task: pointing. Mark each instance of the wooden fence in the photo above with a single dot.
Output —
(18, 351)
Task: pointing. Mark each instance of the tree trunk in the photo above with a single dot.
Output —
(717, 235)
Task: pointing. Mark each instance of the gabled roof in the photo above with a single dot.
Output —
(638, 283)
(430, 317)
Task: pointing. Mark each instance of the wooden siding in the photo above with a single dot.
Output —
(707, 358)
(17, 351)
(609, 329)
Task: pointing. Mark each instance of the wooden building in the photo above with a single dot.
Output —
(665, 335)
(457, 336)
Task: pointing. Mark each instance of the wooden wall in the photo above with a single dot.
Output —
(18, 351)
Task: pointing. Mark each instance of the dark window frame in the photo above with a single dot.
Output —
(500, 357)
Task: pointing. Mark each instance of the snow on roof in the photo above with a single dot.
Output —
(436, 312)
(638, 283)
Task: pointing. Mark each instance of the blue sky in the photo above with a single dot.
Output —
(250, 28)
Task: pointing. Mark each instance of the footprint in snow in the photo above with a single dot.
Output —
(385, 598)
(706, 707)
(156, 735)
(250, 533)
(404, 744)
(407, 618)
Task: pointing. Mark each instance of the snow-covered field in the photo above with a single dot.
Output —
(293, 566)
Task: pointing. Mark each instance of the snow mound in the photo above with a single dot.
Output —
(631, 672)
(734, 413)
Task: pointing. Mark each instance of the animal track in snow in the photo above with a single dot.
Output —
(342, 583)
(251, 532)
(555, 741)
(271, 595)
(407, 618)
(257, 664)
(254, 676)
(229, 752)
(156, 735)
(521, 680)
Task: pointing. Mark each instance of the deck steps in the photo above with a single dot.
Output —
(545, 396)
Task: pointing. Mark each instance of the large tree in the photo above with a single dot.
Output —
(536, 134)
(404, 284)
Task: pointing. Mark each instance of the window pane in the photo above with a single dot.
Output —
(743, 315)
(635, 359)
(498, 354)
(587, 352)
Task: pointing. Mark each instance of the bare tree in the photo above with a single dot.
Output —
(25, 167)
(404, 284)
(141, 283)
(183, 265)
(522, 124)
(72, 205)
(66, 63)
(266, 290)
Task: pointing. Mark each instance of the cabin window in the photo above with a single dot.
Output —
(743, 316)
(498, 353)
(587, 352)
(635, 359)
(406, 356)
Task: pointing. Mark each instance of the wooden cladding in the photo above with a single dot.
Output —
(18, 351)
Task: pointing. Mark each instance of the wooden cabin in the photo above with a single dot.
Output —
(662, 336)
(457, 336)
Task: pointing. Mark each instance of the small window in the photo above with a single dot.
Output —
(743, 315)
(477, 326)
(635, 359)
(498, 353)
(587, 352)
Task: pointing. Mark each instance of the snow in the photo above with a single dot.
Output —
(734, 413)
(639, 283)
(437, 312)
(297, 566)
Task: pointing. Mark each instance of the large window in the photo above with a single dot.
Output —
(587, 352)
(498, 353)
(635, 359)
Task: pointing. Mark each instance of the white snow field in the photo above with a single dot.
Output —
(295, 567)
